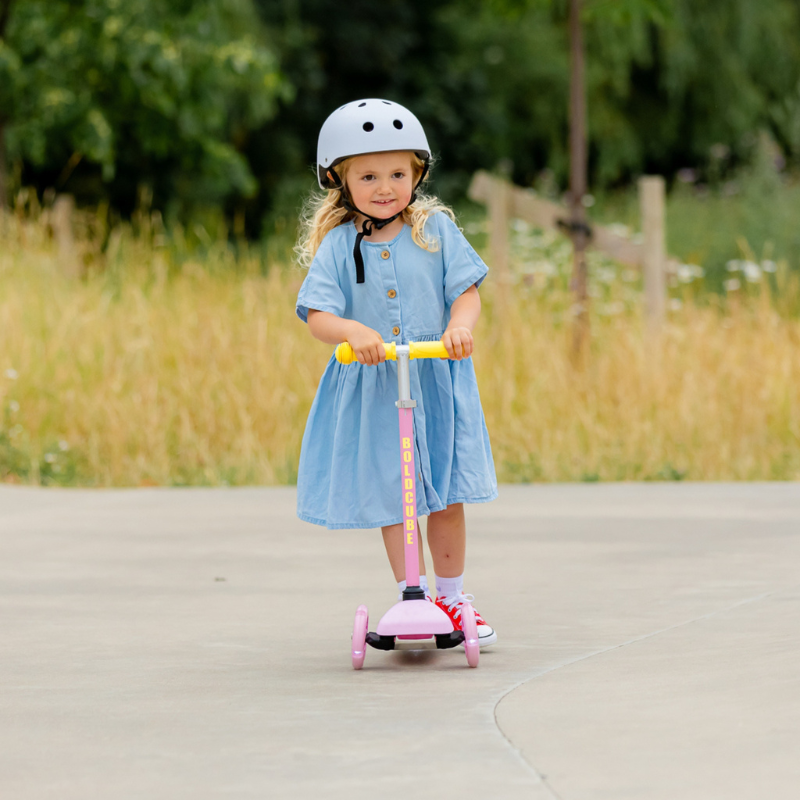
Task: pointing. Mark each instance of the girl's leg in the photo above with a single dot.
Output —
(447, 540)
(393, 541)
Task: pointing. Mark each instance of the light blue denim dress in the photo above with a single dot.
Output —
(349, 474)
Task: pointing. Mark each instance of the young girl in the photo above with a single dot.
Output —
(387, 264)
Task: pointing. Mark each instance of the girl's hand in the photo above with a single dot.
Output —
(458, 342)
(367, 344)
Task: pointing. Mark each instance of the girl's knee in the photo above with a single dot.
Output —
(452, 510)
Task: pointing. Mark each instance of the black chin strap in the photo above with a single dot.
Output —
(370, 223)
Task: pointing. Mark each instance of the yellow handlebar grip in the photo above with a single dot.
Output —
(346, 355)
(427, 350)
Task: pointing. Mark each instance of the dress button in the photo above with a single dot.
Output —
(385, 254)
(395, 331)
(392, 293)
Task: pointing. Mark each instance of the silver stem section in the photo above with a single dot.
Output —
(403, 379)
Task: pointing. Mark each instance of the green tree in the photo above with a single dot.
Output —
(665, 80)
(135, 91)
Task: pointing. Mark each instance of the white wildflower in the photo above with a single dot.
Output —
(547, 268)
(734, 265)
(49, 457)
(13, 406)
(769, 266)
(686, 273)
(752, 272)
(675, 304)
(519, 225)
(606, 275)
(63, 445)
(11, 374)
(619, 229)
(732, 285)
(610, 309)
(587, 200)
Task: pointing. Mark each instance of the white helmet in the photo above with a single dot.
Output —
(367, 126)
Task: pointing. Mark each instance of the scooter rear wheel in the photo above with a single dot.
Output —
(470, 627)
(359, 643)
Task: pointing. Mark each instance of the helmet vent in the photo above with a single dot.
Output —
(386, 101)
(361, 105)
(397, 124)
(368, 126)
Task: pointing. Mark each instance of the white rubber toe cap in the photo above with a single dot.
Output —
(486, 636)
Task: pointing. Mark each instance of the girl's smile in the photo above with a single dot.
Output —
(380, 184)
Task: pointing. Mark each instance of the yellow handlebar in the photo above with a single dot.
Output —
(346, 355)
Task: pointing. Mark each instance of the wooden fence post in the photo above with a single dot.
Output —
(63, 209)
(504, 201)
(499, 207)
(651, 199)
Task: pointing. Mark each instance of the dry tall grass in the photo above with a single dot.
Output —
(146, 372)
(717, 398)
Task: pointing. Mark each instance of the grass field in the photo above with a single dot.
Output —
(160, 367)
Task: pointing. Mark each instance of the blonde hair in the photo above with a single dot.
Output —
(324, 212)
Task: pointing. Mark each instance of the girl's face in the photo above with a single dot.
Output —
(380, 184)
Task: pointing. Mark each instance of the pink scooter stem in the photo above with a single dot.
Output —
(408, 473)
(402, 353)
(416, 623)
(409, 479)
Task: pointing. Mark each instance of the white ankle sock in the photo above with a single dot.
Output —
(423, 584)
(449, 587)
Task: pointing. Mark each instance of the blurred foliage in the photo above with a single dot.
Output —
(136, 92)
(724, 225)
(669, 83)
(213, 101)
(160, 369)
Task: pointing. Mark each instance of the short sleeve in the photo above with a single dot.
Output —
(321, 290)
(463, 267)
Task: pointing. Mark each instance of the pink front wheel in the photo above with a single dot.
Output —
(359, 644)
(470, 627)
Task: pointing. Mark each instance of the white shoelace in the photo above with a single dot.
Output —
(458, 600)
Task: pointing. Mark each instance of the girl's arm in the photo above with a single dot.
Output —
(366, 343)
(464, 314)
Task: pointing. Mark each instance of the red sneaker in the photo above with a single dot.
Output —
(452, 607)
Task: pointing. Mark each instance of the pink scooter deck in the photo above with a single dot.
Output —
(414, 618)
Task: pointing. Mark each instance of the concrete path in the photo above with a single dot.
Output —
(195, 644)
